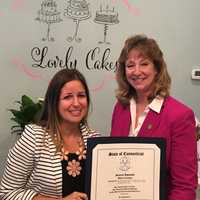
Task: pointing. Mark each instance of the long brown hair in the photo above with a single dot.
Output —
(50, 118)
(149, 48)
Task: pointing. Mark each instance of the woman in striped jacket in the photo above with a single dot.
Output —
(47, 162)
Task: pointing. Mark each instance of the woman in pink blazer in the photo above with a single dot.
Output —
(145, 109)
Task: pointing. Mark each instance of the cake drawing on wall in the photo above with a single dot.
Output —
(77, 10)
(48, 14)
(106, 17)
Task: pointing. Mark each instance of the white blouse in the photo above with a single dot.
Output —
(155, 105)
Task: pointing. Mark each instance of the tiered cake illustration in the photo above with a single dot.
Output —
(106, 17)
(48, 14)
(77, 10)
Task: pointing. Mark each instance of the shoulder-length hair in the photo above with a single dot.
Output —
(150, 49)
(50, 118)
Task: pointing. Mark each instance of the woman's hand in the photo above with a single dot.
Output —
(76, 196)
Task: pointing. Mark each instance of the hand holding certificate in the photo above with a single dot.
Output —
(125, 168)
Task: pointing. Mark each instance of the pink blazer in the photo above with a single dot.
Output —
(175, 123)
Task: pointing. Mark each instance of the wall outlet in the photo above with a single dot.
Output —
(196, 74)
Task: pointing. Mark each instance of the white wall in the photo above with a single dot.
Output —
(174, 24)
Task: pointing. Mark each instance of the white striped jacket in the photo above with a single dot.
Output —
(33, 166)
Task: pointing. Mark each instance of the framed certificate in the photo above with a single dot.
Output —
(125, 168)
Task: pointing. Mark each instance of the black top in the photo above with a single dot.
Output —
(70, 183)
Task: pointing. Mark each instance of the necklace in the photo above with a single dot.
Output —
(73, 166)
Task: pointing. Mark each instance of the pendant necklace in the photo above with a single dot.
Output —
(73, 166)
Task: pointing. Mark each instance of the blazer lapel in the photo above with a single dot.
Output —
(56, 164)
(150, 124)
(125, 122)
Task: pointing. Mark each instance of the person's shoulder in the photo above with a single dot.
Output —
(33, 129)
(94, 133)
(120, 106)
(88, 132)
(176, 106)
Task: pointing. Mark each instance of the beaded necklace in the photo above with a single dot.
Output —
(73, 167)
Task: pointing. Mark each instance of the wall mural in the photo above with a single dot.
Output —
(78, 11)
(106, 17)
(49, 15)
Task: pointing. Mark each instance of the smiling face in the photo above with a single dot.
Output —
(73, 102)
(140, 72)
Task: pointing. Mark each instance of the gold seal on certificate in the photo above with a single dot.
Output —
(125, 168)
